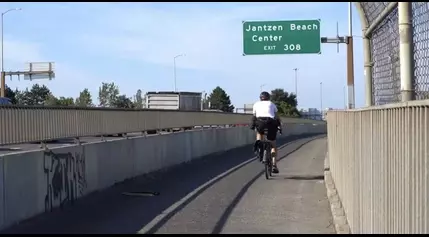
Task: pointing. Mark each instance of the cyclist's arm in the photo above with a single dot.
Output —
(254, 110)
(276, 113)
(277, 118)
(253, 122)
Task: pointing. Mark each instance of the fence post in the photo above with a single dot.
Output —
(406, 53)
(367, 55)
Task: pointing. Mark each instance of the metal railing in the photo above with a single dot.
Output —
(24, 124)
(378, 155)
(379, 161)
(396, 41)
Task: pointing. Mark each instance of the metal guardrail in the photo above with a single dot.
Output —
(379, 163)
(24, 124)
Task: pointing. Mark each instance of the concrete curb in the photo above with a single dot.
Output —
(338, 214)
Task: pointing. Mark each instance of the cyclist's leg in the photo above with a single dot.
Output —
(259, 130)
(272, 136)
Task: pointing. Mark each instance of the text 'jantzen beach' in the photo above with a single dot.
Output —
(265, 28)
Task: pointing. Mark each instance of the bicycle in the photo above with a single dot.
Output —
(264, 152)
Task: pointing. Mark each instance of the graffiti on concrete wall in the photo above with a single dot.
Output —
(65, 178)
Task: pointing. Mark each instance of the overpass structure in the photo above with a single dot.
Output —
(38, 181)
(375, 169)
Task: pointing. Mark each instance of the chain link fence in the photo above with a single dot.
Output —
(386, 82)
(421, 48)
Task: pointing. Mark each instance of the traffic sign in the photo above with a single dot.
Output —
(281, 37)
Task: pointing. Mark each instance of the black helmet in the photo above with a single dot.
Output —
(264, 95)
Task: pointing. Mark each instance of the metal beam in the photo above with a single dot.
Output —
(362, 16)
(387, 10)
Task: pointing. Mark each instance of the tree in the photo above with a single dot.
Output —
(19, 97)
(84, 99)
(220, 100)
(36, 96)
(51, 100)
(62, 101)
(66, 101)
(9, 93)
(286, 103)
(288, 110)
(123, 102)
(138, 99)
(107, 94)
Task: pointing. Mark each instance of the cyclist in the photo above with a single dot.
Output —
(265, 117)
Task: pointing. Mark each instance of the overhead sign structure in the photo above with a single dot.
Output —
(35, 71)
(281, 37)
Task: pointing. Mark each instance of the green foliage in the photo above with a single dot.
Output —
(138, 99)
(286, 103)
(220, 100)
(36, 96)
(122, 101)
(107, 94)
(9, 93)
(84, 99)
(62, 101)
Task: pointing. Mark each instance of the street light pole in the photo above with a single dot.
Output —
(321, 102)
(344, 97)
(174, 59)
(296, 82)
(3, 75)
(203, 99)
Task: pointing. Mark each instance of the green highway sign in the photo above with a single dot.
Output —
(281, 37)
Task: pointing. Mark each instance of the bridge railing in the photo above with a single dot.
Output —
(379, 161)
(23, 124)
(395, 45)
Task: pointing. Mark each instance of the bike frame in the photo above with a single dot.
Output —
(266, 155)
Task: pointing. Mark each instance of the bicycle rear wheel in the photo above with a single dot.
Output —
(269, 159)
(267, 164)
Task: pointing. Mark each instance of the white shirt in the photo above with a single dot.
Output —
(264, 108)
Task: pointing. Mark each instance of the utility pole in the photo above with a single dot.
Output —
(296, 82)
(344, 97)
(203, 100)
(41, 69)
(350, 64)
(321, 101)
(3, 74)
(174, 65)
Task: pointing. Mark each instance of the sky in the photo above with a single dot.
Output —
(133, 45)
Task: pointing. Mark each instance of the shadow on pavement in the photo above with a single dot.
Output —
(305, 177)
(10, 149)
(109, 211)
(223, 219)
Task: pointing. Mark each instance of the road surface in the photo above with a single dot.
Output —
(222, 193)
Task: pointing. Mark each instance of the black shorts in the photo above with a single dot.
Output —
(269, 124)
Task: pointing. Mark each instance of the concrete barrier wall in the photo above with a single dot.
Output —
(35, 182)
